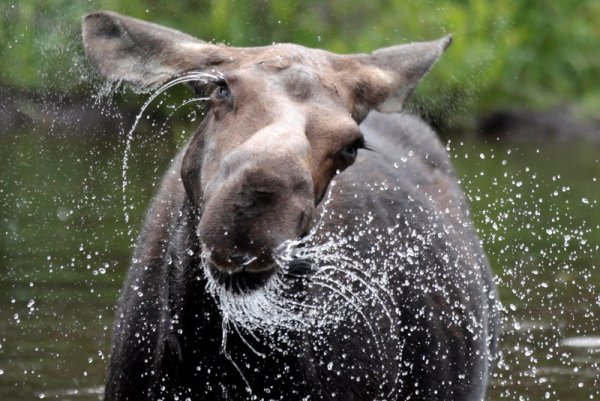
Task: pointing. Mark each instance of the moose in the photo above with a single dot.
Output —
(309, 242)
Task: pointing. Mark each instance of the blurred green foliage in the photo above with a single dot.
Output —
(506, 53)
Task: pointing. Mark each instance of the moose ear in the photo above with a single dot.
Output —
(143, 54)
(384, 79)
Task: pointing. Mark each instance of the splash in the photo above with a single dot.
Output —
(336, 289)
(194, 76)
(275, 306)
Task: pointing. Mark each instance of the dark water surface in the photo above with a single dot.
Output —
(64, 249)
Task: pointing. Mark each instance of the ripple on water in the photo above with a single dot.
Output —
(582, 342)
(75, 392)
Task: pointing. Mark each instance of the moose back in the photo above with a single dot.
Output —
(308, 243)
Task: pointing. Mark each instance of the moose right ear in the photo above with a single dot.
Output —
(384, 79)
(143, 54)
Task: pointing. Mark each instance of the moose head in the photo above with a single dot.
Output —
(281, 122)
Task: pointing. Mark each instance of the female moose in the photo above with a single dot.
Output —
(281, 261)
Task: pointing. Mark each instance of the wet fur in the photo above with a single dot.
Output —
(169, 330)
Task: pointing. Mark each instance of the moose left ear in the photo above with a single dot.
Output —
(384, 79)
(143, 54)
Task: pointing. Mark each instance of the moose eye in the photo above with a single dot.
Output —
(222, 91)
(221, 99)
(350, 152)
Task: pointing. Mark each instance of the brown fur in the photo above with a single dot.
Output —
(282, 122)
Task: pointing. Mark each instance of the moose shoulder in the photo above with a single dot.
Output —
(308, 243)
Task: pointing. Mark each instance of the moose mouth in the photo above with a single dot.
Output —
(239, 272)
(241, 280)
(244, 274)
(236, 261)
(246, 281)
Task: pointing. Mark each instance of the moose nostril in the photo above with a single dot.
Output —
(304, 223)
(301, 220)
(256, 201)
(263, 196)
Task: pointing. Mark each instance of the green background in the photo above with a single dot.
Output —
(533, 53)
(65, 246)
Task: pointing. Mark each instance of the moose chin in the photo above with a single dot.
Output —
(309, 242)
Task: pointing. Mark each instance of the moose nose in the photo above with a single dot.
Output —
(253, 209)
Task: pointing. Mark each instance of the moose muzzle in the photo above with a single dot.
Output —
(250, 211)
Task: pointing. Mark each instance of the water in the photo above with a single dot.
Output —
(65, 246)
(189, 77)
(536, 207)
